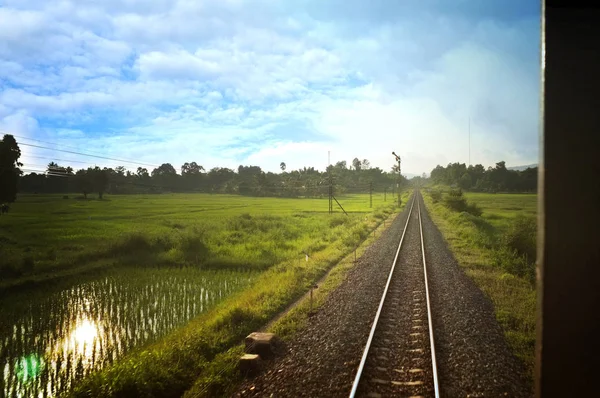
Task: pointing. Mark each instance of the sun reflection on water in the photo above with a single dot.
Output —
(49, 344)
(83, 338)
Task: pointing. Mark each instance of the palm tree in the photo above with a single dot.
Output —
(282, 166)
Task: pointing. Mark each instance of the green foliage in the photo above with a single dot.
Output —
(522, 237)
(455, 200)
(492, 249)
(477, 178)
(511, 262)
(9, 169)
(211, 231)
(247, 180)
(517, 252)
(269, 235)
(436, 195)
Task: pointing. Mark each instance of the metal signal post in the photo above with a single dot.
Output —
(399, 177)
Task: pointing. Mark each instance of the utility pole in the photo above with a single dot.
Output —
(469, 141)
(371, 194)
(330, 182)
(399, 178)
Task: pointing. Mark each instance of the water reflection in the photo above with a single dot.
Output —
(50, 342)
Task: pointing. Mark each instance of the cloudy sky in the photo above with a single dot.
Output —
(230, 82)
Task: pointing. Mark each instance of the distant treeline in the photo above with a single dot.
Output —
(492, 179)
(247, 180)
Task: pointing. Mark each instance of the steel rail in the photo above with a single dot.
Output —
(431, 341)
(387, 285)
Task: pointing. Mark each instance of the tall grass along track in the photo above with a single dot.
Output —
(399, 356)
(472, 353)
(321, 360)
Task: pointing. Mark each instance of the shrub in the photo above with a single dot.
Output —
(473, 209)
(510, 261)
(517, 252)
(193, 248)
(337, 221)
(436, 195)
(522, 237)
(457, 202)
(131, 243)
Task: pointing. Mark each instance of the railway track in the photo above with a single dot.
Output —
(399, 356)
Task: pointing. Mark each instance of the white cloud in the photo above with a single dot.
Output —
(229, 82)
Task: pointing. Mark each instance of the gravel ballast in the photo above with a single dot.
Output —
(399, 360)
(321, 361)
(473, 357)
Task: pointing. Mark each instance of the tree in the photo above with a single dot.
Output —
(191, 174)
(366, 165)
(83, 182)
(465, 181)
(142, 173)
(99, 180)
(356, 164)
(165, 176)
(57, 177)
(341, 165)
(282, 166)
(9, 168)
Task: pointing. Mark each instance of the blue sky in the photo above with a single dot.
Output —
(229, 82)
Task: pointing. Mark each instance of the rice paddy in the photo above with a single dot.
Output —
(50, 342)
(136, 293)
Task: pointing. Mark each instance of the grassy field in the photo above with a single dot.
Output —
(486, 246)
(48, 235)
(501, 209)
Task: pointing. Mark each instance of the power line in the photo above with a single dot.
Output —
(55, 159)
(87, 154)
(90, 154)
(50, 143)
(29, 165)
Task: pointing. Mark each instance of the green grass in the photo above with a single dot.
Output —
(501, 209)
(268, 235)
(220, 377)
(45, 234)
(479, 245)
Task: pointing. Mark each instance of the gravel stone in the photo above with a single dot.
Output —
(322, 360)
(473, 357)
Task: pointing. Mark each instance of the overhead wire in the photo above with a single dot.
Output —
(76, 150)
(89, 155)
(54, 143)
(56, 159)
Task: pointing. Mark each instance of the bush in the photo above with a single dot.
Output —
(522, 237)
(510, 261)
(131, 243)
(436, 195)
(517, 252)
(457, 202)
(194, 248)
(337, 221)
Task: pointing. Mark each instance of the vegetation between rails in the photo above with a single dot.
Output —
(493, 238)
(170, 366)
